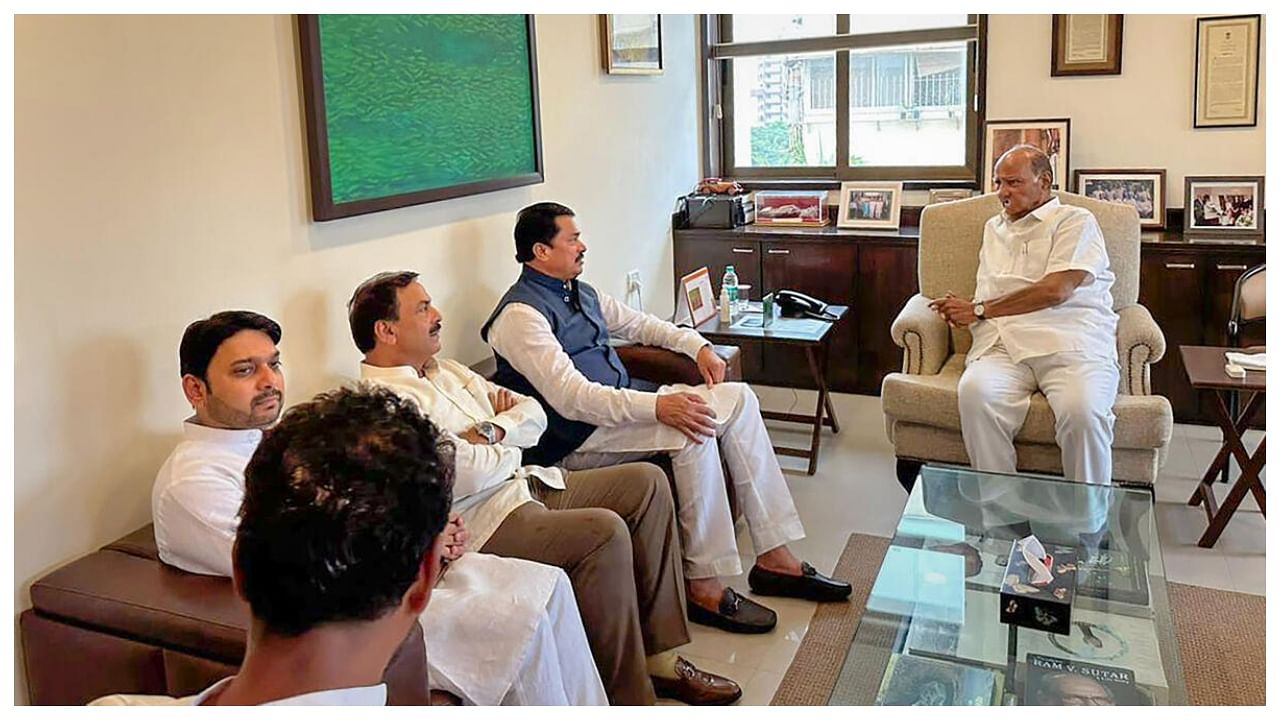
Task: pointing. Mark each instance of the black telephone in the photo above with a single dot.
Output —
(797, 304)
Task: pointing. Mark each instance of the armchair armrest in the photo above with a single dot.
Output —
(1139, 343)
(666, 367)
(924, 337)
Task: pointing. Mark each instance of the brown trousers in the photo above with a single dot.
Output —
(613, 531)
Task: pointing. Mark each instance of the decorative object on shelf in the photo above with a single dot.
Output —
(1143, 189)
(1087, 45)
(870, 205)
(1052, 135)
(941, 195)
(718, 186)
(410, 109)
(631, 44)
(1226, 205)
(1226, 85)
(806, 208)
(697, 299)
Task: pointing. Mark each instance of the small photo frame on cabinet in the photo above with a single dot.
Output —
(1223, 205)
(1052, 136)
(1226, 84)
(870, 205)
(697, 302)
(631, 44)
(1087, 45)
(1143, 189)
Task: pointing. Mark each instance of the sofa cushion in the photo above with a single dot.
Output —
(933, 400)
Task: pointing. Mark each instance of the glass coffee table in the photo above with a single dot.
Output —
(931, 633)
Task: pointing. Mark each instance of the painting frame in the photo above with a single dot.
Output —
(608, 39)
(1060, 157)
(1192, 223)
(850, 189)
(1112, 46)
(1200, 98)
(320, 172)
(1081, 178)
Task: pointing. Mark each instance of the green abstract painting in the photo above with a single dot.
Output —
(406, 109)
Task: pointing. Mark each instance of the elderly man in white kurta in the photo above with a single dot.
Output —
(529, 649)
(1042, 319)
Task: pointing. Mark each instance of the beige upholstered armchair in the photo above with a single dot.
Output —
(921, 408)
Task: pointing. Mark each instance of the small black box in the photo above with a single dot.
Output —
(718, 211)
(1039, 607)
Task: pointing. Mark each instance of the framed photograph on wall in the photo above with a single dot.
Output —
(1227, 205)
(1226, 86)
(870, 205)
(1052, 136)
(1087, 45)
(631, 44)
(1143, 189)
(941, 195)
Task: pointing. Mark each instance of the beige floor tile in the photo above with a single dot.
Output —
(1248, 573)
(760, 689)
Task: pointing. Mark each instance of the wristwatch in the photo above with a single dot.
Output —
(980, 310)
(488, 430)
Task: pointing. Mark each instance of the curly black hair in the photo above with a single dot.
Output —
(343, 499)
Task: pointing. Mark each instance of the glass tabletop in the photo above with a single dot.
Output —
(931, 633)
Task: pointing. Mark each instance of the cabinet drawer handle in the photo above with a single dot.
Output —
(1180, 266)
(779, 252)
(744, 251)
(1233, 267)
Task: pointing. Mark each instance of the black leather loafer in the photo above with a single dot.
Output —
(809, 585)
(737, 615)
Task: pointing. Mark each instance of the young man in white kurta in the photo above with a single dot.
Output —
(533, 653)
(1042, 319)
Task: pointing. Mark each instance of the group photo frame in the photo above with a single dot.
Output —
(1144, 189)
(1050, 135)
(870, 205)
(1223, 205)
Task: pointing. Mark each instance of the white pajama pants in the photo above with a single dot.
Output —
(705, 518)
(995, 394)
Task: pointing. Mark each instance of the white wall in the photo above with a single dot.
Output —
(160, 176)
(1141, 118)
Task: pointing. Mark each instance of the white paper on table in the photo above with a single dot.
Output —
(1248, 361)
(1033, 552)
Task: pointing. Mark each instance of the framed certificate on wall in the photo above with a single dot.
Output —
(1226, 87)
(1087, 44)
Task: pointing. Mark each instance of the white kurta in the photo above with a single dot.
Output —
(372, 695)
(482, 603)
(628, 429)
(1067, 352)
(490, 481)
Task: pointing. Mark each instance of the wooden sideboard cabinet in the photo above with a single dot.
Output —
(1186, 284)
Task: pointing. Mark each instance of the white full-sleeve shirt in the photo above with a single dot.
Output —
(372, 695)
(196, 497)
(524, 338)
(491, 480)
(1016, 254)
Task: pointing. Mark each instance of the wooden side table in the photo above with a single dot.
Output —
(1205, 371)
(815, 337)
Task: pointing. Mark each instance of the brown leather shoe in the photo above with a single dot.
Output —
(697, 687)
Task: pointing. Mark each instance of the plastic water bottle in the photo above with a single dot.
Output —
(730, 283)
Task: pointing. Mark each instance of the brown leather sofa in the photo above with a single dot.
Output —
(120, 621)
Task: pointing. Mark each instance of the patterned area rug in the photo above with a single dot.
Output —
(1224, 656)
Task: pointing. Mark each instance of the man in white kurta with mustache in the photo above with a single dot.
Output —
(529, 649)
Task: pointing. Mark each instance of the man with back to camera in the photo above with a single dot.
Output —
(551, 332)
(612, 529)
(1042, 319)
(534, 652)
(337, 550)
